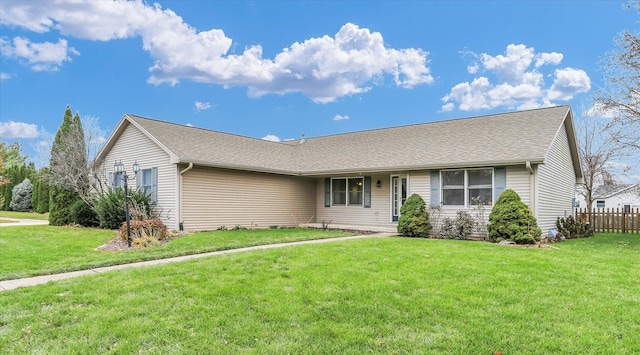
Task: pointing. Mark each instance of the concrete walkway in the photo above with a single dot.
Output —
(38, 280)
(22, 222)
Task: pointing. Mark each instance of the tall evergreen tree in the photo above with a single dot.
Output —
(35, 192)
(43, 194)
(66, 167)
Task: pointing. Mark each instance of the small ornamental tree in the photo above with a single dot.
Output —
(21, 196)
(414, 218)
(512, 220)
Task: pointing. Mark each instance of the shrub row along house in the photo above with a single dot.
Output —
(203, 179)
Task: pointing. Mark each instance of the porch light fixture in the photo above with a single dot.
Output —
(378, 184)
(118, 167)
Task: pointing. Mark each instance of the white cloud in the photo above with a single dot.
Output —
(323, 68)
(5, 76)
(340, 117)
(201, 106)
(14, 129)
(513, 80)
(568, 83)
(271, 138)
(448, 107)
(597, 110)
(548, 58)
(45, 56)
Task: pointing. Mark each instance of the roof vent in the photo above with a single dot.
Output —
(302, 140)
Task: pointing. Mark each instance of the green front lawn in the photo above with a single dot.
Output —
(379, 295)
(39, 250)
(24, 215)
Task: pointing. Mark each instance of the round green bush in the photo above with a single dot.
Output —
(414, 218)
(84, 215)
(511, 219)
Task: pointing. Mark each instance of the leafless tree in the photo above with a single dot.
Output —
(600, 154)
(620, 96)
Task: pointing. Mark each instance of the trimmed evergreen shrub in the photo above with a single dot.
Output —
(414, 218)
(21, 196)
(511, 219)
(60, 202)
(110, 206)
(84, 215)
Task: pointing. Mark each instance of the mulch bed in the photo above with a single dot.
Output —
(115, 244)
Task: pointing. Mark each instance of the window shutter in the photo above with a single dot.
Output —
(154, 185)
(327, 192)
(435, 188)
(367, 191)
(499, 182)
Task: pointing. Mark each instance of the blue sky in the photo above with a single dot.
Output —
(278, 69)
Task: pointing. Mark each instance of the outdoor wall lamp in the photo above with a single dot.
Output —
(118, 167)
(379, 183)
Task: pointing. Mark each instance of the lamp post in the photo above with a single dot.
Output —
(118, 167)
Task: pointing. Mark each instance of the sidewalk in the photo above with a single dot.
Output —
(38, 280)
(22, 222)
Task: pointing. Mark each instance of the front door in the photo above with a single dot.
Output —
(398, 195)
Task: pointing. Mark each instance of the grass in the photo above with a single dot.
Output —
(40, 250)
(24, 215)
(382, 295)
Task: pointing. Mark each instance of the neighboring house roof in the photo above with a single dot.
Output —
(500, 139)
(603, 191)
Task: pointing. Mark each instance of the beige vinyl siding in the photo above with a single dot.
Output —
(519, 180)
(420, 183)
(556, 183)
(218, 197)
(133, 146)
(378, 215)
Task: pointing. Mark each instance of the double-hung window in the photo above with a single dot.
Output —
(115, 180)
(147, 181)
(347, 191)
(466, 186)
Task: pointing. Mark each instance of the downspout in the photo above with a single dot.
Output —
(189, 167)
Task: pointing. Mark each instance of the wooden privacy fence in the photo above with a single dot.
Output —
(610, 219)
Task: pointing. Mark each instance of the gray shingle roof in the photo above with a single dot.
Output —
(604, 191)
(212, 148)
(500, 139)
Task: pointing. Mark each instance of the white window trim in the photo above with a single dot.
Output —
(347, 204)
(467, 203)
